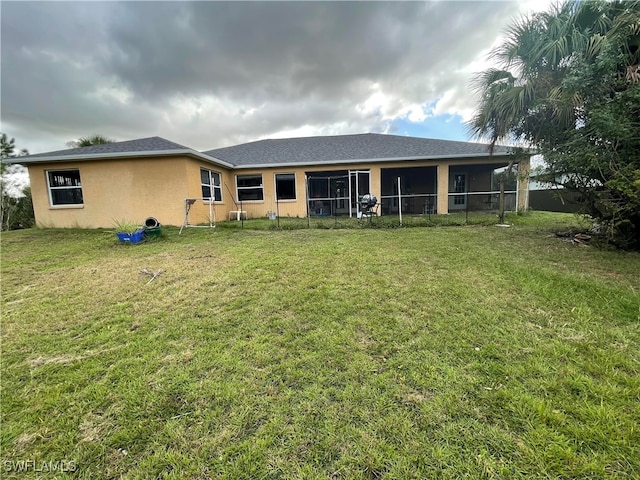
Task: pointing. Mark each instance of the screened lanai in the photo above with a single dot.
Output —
(477, 187)
(471, 187)
(336, 192)
(418, 187)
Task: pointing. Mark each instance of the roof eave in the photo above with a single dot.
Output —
(108, 156)
(372, 160)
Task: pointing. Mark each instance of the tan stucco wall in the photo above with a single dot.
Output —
(199, 212)
(115, 190)
(524, 170)
(137, 188)
(298, 207)
(479, 176)
(443, 189)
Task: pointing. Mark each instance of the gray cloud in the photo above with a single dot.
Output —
(209, 74)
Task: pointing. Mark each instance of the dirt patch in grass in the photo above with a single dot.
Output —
(64, 359)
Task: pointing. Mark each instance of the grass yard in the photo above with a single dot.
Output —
(445, 352)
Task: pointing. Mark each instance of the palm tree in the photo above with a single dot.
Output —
(526, 98)
(530, 98)
(95, 139)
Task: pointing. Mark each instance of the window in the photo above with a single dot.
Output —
(65, 187)
(249, 188)
(211, 185)
(286, 186)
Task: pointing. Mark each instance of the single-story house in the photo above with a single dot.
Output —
(99, 185)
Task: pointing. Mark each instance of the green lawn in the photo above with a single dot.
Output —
(444, 352)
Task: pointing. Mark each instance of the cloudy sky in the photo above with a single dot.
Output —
(213, 74)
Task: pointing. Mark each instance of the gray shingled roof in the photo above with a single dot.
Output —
(286, 151)
(150, 144)
(345, 148)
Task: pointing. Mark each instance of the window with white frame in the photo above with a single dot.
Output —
(249, 188)
(211, 185)
(286, 186)
(65, 187)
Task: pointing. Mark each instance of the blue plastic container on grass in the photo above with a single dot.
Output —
(135, 237)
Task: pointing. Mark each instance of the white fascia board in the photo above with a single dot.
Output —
(211, 159)
(107, 156)
(371, 160)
